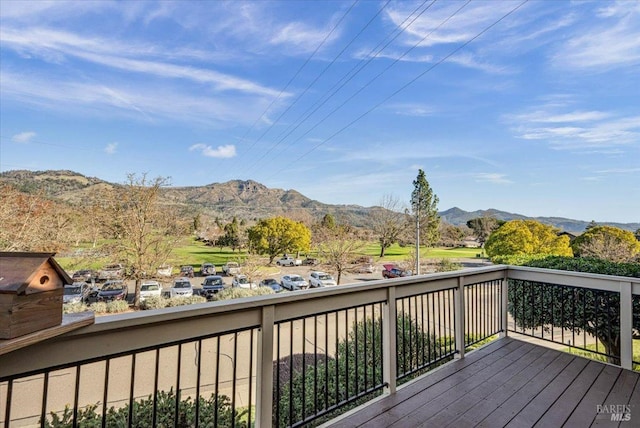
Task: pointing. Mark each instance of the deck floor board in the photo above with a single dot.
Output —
(507, 383)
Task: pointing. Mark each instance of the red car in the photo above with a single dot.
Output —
(393, 271)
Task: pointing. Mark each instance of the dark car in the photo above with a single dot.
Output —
(211, 285)
(271, 283)
(186, 271)
(85, 275)
(310, 261)
(113, 290)
(393, 271)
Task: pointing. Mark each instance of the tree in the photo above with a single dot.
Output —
(231, 236)
(278, 235)
(607, 242)
(527, 237)
(596, 312)
(387, 222)
(145, 230)
(337, 247)
(483, 227)
(424, 213)
(450, 235)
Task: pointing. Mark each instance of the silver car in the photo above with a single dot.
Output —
(321, 279)
(181, 288)
(294, 282)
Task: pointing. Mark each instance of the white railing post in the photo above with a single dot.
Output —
(389, 351)
(626, 326)
(264, 387)
(504, 299)
(459, 318)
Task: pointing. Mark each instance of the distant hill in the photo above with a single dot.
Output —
(248, 199)
(458, 217)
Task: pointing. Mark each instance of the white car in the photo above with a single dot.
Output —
(241, 281)
(289, 261)
(294, 282)
(150, 289)
(181, 288)
(321, 279)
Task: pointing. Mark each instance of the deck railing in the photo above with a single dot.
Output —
(298, 358)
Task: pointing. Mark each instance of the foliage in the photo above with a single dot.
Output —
(279, 235)
(446, 265)
(214, 409)
(483, 227)
(387, 222)
(74, 308)
(153, 302)
(597, 313)
(143, 229)
(338, 247)
(607, 242)
(522, 237)
(424, 214)
(182, 301)
(237, 293)
(231, 237)
(452, 236)
(358, 360)
(113, 307)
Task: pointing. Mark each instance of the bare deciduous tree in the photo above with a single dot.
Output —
(337, 247)
(388, 222)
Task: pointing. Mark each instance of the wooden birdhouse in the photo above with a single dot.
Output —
(31, 288)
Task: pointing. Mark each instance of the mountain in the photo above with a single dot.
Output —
(248, 199)
(458, 217)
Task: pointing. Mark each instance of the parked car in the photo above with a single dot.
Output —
(242, 281)
(113, 290)
(289, 261)
(321, 279)
(271, 283)
(112, 271)
(181, 288)
(310, 261)
(78, 292)
(393, 271)
(364, 268)
(150, 289)
(231, 268)
(294, 282)
(187, 271)
(165, 271)
(211, 285)
(207, 269)
(86, 275)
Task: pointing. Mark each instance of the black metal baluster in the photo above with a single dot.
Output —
(43, 410)
(198, 381)
(177, 405)
(105, 392)
(154, 418)
(304, 369)
(76, 395)
(215, 411)
(132, 389)
(7, 410)
(250, 376)
(235, 377)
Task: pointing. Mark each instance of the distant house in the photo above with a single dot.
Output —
(569, 234)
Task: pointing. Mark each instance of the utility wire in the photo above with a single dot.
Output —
(355, 70)
(314, 81)
(403, 87)
(326, 37)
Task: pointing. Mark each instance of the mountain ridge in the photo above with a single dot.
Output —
(249, 199)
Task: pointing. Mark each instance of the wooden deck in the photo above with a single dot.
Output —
(508, 383)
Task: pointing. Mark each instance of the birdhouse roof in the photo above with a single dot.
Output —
(19, 269)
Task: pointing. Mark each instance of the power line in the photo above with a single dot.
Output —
(347, 78)
(403, 87)
(291, 81)
(315, 80)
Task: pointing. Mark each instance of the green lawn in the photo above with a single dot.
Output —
(194, 253)
(598, 357)
(396, 252)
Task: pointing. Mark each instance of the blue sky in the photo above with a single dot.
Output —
(530, 108)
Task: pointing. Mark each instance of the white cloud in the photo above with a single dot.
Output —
(612, 42)
(23, 137)
(412, 109)
(492, 178)
(111, 148)
(221, 152)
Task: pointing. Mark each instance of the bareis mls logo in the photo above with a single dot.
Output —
(617, 412)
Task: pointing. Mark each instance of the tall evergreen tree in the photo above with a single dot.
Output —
(424, 215)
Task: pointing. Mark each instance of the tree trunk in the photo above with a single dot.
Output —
(612, 348)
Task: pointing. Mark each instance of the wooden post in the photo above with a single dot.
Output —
(389, 320)
(626, 326)
(458, 316)
(264, 387)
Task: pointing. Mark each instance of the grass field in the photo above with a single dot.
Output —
(598, 357)
(194, 253)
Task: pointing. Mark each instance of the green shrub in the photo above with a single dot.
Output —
(153, 302)
(74, 308)
(236, 293)
(99, 307)
(209, 409)
(181, 301)
(446, 265)
(333, 381)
